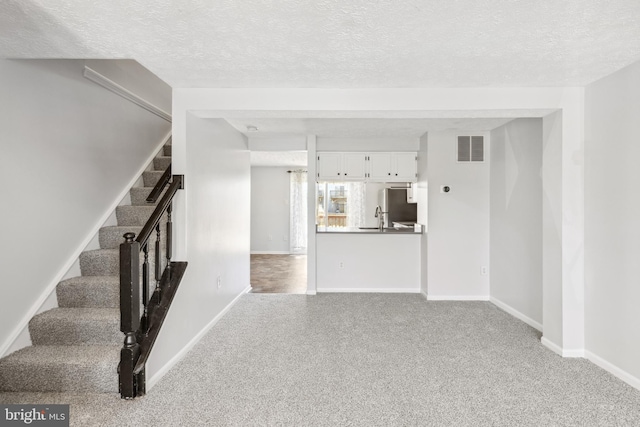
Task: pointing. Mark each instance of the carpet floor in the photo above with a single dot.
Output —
(366, 360)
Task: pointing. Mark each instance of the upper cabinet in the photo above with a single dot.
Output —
(342, 166)
(393, 167)
(374, 167)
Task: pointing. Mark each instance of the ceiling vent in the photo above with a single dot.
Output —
(471, 149)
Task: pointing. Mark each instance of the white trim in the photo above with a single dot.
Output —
(311, 292)
(114, 87)
(576, 352)
(613, 369)
(371, 290)
(551, 346)
(560, 351)
(46, 293)
(515, 313)
(152, 381)
(270, 253)
(458, 297)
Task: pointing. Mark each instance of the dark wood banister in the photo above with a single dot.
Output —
(160, 209)
(157, 190)
(141, 331)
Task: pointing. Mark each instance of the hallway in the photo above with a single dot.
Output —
(284, 274)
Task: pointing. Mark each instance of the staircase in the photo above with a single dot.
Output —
(76, 347)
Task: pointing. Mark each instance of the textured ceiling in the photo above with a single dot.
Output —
(336, 43)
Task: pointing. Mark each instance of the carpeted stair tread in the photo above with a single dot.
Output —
(151, 178)
(106, 262)
(111, 237)
(161, 163)
(76, 326)
(89, 292)
(139, 196)
(61, 369)
(100, 262)
(167, 149)
(134, 215)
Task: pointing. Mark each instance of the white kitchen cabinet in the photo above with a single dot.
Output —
(342, 166)
(393, 167)
(374, 167)
(406, 166)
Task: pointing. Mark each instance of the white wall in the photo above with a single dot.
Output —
(69, 149)
(458, 241)
(217, 197)
(423, 210)
(612, 220)
(270, 214)
(516, 219)
(368, 144)
(361, 262)
(552, 228)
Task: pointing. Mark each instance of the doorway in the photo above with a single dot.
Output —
(278, 223)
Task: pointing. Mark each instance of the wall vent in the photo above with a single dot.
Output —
(471, 149)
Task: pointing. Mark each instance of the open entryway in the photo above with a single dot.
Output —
(279, 222)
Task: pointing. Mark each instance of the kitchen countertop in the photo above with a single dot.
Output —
(358, 230)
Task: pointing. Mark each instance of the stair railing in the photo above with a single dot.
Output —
(142, 313)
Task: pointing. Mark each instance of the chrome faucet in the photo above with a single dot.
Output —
(380, 216)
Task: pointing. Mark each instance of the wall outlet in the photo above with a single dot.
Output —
(270, 237)
(285, 238)
(341, 264)
(219, 282)
(483, 270)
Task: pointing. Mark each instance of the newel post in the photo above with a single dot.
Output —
(129, 314)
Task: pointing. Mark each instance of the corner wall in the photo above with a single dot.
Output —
(612, 223)
(69, 149)
(458, 233)
(216, 202)
(516, 219)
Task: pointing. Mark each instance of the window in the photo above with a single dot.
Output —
(340, 204)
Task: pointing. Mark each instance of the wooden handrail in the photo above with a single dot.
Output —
(157, 190)
(141, 331)
(160, 209)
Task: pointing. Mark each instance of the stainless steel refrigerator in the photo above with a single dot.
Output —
(396, 208)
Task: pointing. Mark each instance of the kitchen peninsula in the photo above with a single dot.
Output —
(368, 260)
(367, 239)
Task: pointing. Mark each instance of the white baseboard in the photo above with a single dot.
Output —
(458, 297)
(613, 369)
(515, 313)
(270, 253)
(371, 290)
(46, 293)
(560, 351)
(152, 381)
(551, 346)
(311, 292)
